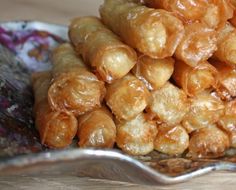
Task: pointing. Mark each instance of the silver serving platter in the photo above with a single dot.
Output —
(153, 169)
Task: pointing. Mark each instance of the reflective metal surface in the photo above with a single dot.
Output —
(104, 164)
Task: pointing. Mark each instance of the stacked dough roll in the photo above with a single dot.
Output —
(148, 75)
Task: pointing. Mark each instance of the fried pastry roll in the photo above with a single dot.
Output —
(101, 49)
(213, 13)
(73, 88)
(172, 140)
(169, 104)
(197, 45)
(233, 19)
(205, 109)
(136, 137)
(228, 121)
(65, 59)
(56, 128)
(153, 72)
(226, 87)
(226, 45)
(155, 33)
(97, 129)
(233, 2)
(195, 79)
(127, 97)
(208, 142)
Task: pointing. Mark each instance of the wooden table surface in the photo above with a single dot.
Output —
(62, 11)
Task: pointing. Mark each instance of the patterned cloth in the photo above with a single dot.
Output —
(21, 53)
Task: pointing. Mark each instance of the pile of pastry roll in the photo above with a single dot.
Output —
(151, 75)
